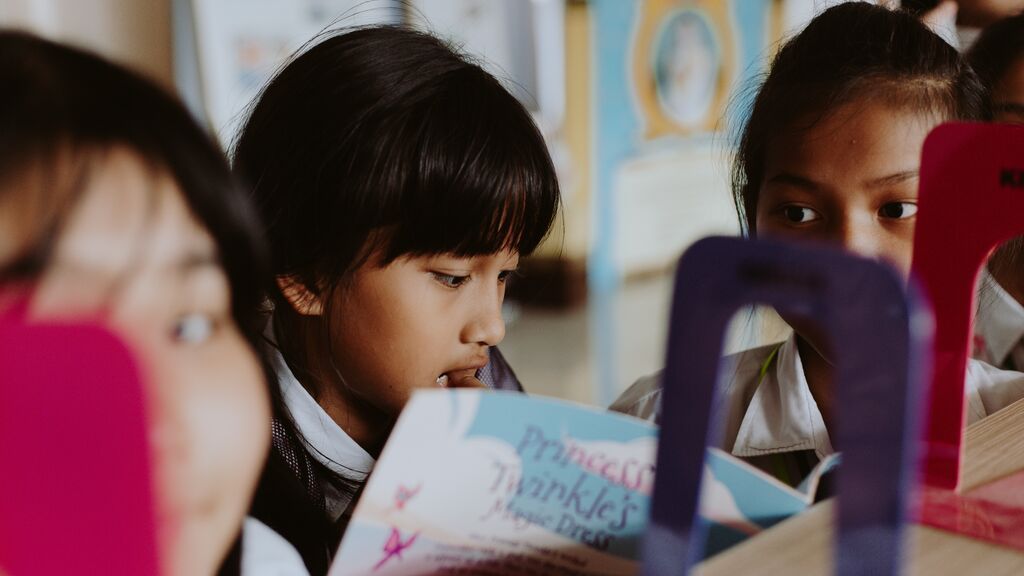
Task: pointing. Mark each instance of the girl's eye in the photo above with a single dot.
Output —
(799, 214)
(504, 275)
(193, 328)
(449, 280)
(898, 210)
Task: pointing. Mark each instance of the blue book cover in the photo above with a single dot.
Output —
(484, 482)
(477, 482)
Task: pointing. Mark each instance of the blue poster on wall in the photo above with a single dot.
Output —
(670, 81)
(666, 80)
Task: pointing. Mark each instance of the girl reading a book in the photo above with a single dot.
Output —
(400, 184)
(115, 207)
(830, 154)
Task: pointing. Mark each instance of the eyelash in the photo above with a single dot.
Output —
(449, 280)
(455, 282)
(912, 205)
(785, 211)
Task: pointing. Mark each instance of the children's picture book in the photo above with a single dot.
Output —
(477, 482)
(488, 482)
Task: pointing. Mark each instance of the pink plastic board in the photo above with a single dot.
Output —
(75, 484)
(971, 200)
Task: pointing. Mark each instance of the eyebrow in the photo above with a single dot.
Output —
(801, 182)
(894, 178)
(793, 180)
(190, 260)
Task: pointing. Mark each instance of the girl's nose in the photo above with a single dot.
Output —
(486, 325)
(862, 237)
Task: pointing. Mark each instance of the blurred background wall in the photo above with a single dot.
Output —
(135, 32)
(636, 98)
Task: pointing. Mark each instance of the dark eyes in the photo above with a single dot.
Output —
(898, 210)
(449, 280)
(799, 214)
(892, 210)
(454, 281)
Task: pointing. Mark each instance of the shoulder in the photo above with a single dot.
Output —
(642, 398)
(737, 372)
(993, 387)
(743, 370)
(266, 553)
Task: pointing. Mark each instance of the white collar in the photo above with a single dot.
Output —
(782, 415)
(267, 553)
(325, 441)
(1000, 320)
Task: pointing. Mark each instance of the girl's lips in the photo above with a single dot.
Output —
(463, 378)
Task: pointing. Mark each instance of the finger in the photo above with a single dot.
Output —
(464, 380)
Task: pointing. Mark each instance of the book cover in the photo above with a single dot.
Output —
(475, 482)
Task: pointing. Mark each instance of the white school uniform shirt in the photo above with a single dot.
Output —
(322, 437)
(265, 552)
(766, 406)
(999, 326)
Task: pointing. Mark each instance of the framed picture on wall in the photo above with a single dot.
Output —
(226, 50)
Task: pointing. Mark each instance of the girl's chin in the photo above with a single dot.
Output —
(188, 549)
(171, 543)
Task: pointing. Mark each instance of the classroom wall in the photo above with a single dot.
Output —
(133, 32)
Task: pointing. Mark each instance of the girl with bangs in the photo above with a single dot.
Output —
(399, 184)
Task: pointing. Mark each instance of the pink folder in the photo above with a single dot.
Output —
(971, 200)
(75, 483)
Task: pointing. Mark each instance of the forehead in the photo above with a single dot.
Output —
(127, 211)
(869, 138)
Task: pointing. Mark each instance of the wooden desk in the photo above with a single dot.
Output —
(803, 544)
(990, 452)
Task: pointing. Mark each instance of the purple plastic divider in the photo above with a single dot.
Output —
(75, 484)
(880, 335)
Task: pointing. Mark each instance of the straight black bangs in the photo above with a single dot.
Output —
(384, 140)
(477, 176)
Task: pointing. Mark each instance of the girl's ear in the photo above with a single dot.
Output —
(299, 296)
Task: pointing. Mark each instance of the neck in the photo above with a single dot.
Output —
(304, 340)
(818, 372)
(362, 421)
